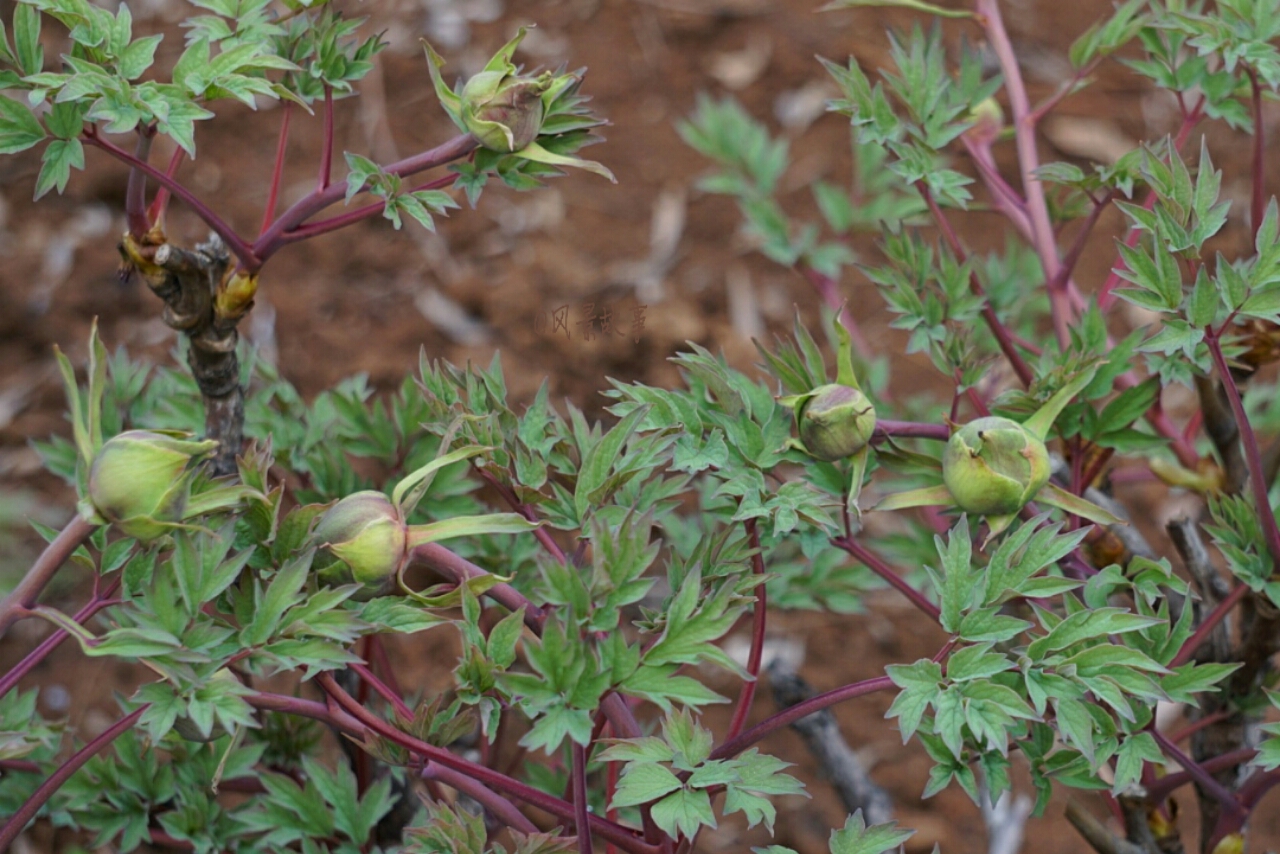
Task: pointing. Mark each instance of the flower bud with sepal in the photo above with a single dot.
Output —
(835, 421)
(362, 539)
(994, 466)
(140, 480)
(504, 111)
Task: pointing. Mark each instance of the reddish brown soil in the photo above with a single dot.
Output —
(346, 303)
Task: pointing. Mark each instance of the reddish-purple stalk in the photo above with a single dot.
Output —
(1253, 456)
(877, 565)
(1193, 728)
(909, 430)
(382, 690)
(277, 171)
(581, 808)
(1198, 773)
(1024, 135)
(541, 534)
(460, 569)
(55, 554)
(135, 192)
(1003, 339)
(1072, 257)
(243, 252)
(161, 201)
(1005, 198)
(272, 239)
(18, 821)
(1258, 209)
(303, 232)
(758, 619)
(99, 601)
(623, 836)
(501, 808)
(786, 717)
(1162, 787)
(382, 661)
(326, 145)
(1216, 616)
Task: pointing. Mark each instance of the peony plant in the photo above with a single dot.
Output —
(263, 563)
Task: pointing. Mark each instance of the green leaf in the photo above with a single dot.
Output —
(26, 39)
(642, 782)
(19, 129)
(603, 456)
(856, 838)
(684, 812)
(60, 157)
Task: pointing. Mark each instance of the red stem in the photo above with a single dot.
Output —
(323, 226)
(748, 692)
(790, 715)
(581, 814)
(1024, 135)
(1163, 787)
(1210, 622)
(1197, 772)
(160, 203)
(910, 430)
(277, 172)
(1253, 456)
(135, 193)
(243, 252)
(18, 821)
(326, 146)
(877, 565)
(1206, 721)
(1003, 338)
(382, 690)
(623, 836)
(24, 595)
(502, 809)
(1072, 257)
(272, 239)
(49, 644)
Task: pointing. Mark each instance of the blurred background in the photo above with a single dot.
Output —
(667, 263)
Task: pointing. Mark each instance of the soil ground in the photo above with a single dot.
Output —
(366, 300)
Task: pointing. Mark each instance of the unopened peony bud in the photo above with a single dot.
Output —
(140, 480)
(994, 466)
(504, 111)
(835, 421)
(362, 539)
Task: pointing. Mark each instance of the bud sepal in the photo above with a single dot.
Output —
(506, 112)
(994, 466)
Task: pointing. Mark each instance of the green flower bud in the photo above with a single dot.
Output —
(836, 421)
(994, 466)
(140, 480)
(363, 539)
(504, 111)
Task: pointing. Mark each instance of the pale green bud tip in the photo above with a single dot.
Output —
(836, 421)
(503, 111)
(994, 466)
(139, 479)
(365, 534)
